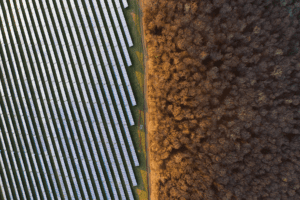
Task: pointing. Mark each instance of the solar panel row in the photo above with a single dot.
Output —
(107, 41)
(110, 29)
(103, 130)
(62, 138)
(2, 187)
(11, 174)
(51, 151)
(46, 95)
(7, 184)
(125, 4)
(86, 99)
(28, 140)
(120, 34)
(71, 143)
(32, 176)
(16, 170)
(22, 164)
(57, 144)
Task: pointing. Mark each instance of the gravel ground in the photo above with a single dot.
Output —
(224, 99)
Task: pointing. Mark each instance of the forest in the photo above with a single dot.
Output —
(223, 96)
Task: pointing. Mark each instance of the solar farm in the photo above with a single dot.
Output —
(70, 104)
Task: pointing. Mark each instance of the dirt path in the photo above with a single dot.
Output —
(153, 177)
(145, 53)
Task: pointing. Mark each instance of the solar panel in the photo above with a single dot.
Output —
(22, 119)
(90, 37)
(51, 27)
(108, 96)
(72, 148)
(92, 119)
(125, 26)
(11, 172)
(125, 4)
(72, 74)
(8, 16)
(51, 125)
(75, 36)
(124, 75)
(98, 38)
(74, 56)
(74, 179)
(114, 91)
(1, 89)
(112, 32)
(99, 189)
(117, 176)
(33, 36)
(36, 143)
(47, 179)
(80, 55)
(82, 111)
(90, 62)
(85, 71)
(15, 165)
(86, 49)
(46, 107)
(68, 36)
(92, 95)
(79, 4)
(56, 92)
(82, 34)
(66, 151)
(37, 5)
(123, 144)
(113, 13)
(22, 166)
(81, 9)
(94, 75)
(78, 96)
(85, 22)
(65, 75)
(49, 91)
(91, 189)
(62, 91)
(44, 147)
(57, 146)
(53, 176)
(85, 96)
(67, 55)
(31, 77)
(72, 125)
(73, 6)
(51, 6)
(102, 151)
(84, 188)
(60, 12)
(43, 23)
(5, 179)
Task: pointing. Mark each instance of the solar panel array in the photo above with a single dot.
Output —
(65, 99)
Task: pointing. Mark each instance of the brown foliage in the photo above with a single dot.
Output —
(223, 98)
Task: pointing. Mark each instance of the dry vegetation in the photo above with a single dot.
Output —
(224, 99)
